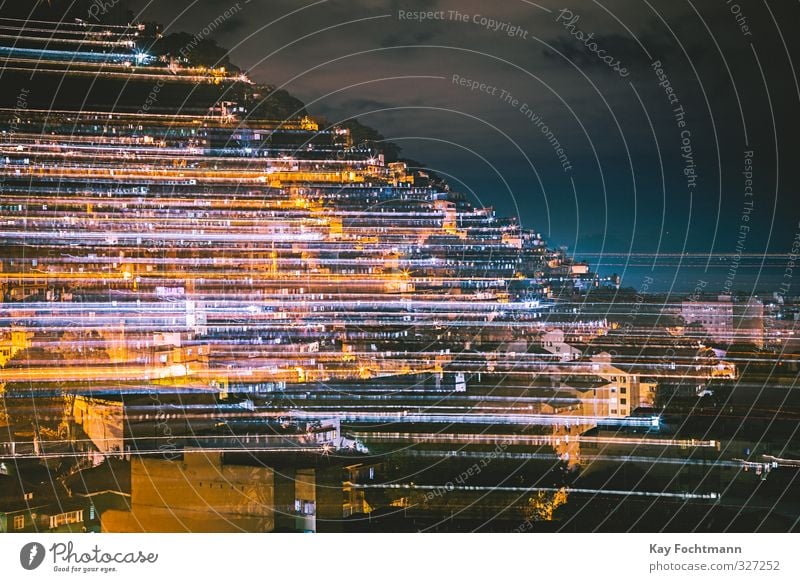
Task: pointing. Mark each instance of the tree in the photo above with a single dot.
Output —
(542, 505)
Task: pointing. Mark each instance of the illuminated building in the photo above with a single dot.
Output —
(198, 494)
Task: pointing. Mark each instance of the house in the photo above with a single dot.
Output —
(627, 389)
(215, 492)
(554, 342)
(43, 508)
(727, 321)
(198, 493)
(12, 342)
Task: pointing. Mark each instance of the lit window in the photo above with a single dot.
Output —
(66, 518)
(19, 521)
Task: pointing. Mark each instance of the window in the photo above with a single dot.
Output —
(66, 518)
(623, 401)
(28, 496)
(19, 521)
(623, 390)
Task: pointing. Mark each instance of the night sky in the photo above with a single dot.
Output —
(732, 67)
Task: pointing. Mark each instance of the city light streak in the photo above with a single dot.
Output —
(570, 490)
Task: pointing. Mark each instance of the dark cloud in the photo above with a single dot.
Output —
(622, 48)
(339, 55)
